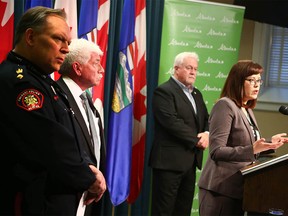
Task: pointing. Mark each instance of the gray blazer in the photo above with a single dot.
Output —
(231, 148)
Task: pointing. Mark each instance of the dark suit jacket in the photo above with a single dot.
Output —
(85, 132)
(230, 149)
(176, 128)
(94, 208)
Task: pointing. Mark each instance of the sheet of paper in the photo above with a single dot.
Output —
(81, 206)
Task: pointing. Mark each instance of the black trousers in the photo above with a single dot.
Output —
(173, 192)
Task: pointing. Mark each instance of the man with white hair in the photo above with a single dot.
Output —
(181, 135)
(80, 71)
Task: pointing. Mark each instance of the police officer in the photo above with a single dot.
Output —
(44, 169)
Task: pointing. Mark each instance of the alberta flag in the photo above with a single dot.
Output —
(7, 27)
(119, 143)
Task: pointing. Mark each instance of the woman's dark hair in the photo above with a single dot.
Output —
(234, 84)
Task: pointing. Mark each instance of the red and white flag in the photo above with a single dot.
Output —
(70, 7)
(139, 111)
(7, 27)
(94, 26)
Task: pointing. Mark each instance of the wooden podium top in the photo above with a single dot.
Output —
(264, 161)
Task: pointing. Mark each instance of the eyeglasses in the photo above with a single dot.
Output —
(253, 82)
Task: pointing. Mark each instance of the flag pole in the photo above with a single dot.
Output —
(129, 209)
(113, 210)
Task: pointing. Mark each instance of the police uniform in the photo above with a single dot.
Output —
(42, 165)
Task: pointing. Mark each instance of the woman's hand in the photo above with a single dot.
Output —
(260, 145)
(278, 137)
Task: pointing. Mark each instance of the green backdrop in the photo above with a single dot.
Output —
(211, 30)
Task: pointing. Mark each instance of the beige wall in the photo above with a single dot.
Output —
(269, 122)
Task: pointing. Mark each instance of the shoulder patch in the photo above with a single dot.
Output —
(30, 99)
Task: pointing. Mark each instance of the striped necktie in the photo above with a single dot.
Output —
(92, 126)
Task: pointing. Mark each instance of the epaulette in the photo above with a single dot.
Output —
(19, 73)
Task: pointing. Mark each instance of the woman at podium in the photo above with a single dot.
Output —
(235, 141)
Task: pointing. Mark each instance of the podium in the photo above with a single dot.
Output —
(266, 184)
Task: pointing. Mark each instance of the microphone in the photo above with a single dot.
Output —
(283, 110)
